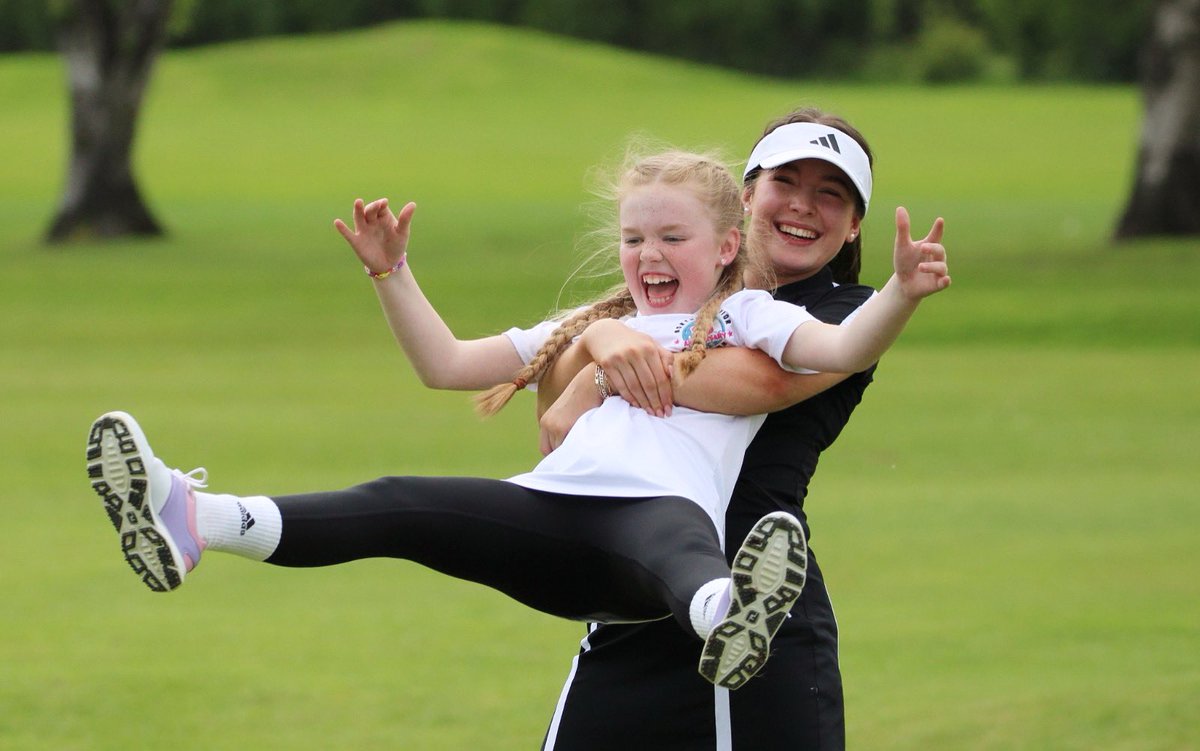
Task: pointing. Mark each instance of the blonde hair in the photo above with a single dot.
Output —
(713, 183)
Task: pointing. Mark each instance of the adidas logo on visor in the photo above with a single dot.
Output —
(793, 141)
(829, 142)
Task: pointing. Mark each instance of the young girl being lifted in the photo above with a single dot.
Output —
(624, 520)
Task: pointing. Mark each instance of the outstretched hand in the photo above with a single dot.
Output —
(920, 265)
(379, 237)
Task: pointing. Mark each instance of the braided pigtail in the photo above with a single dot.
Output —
(702, 326)
(493, 400)
(616, 304)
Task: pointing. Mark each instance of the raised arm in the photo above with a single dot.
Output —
(440, 359)
(920, 271)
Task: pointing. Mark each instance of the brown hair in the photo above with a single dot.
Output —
(713, 183)
(848, 261)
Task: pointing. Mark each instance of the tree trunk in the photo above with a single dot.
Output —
(1166, 194)
(110, 47)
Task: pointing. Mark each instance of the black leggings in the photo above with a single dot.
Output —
(579, 557)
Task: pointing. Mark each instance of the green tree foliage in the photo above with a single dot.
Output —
(1091, 40)
(25, 24)
(949, 50)
(1096, 40)
(207, 21)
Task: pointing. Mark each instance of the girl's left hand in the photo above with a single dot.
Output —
(379, 237)
(920, 265)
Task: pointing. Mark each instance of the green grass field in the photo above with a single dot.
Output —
(1009, 525)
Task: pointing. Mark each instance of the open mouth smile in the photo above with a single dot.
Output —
(659, 289)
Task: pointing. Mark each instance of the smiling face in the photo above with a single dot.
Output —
(801, 214)
(672, 254)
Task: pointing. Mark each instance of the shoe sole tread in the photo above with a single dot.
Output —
(117, 472)
(768, 575)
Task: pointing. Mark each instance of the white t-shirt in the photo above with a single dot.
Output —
(620, 451)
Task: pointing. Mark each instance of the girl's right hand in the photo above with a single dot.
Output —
(379, 238)
(636, 367)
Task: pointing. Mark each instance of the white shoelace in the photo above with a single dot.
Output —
(196, 478)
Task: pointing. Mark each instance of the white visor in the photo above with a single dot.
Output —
(793, 141)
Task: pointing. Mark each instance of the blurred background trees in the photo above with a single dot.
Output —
(110, 46)
(1166, 193)
(931, 40)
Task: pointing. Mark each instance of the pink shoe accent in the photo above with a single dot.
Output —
(178, 517)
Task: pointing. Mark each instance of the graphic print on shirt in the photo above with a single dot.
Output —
(721, 333)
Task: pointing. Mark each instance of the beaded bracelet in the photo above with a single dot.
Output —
(602, 383)
(381, 275)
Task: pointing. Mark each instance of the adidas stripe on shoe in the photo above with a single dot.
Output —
(767, 578)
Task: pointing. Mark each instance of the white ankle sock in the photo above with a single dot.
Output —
(249, 527)
(709, 605)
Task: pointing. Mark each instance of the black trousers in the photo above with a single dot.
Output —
(579, 557)
(635, 686)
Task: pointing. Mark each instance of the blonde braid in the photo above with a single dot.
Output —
(750, 264)
(617, 304)
(702, 326)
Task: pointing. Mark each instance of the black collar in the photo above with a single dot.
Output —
(806, 289)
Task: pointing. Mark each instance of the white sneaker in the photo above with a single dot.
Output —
(151, 506)
(767, 577)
